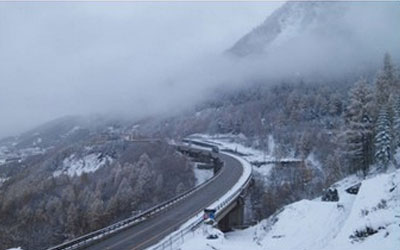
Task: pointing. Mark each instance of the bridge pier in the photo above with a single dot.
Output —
(235, 217)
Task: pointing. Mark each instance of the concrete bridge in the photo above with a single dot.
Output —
(160, 226)
(232, 217)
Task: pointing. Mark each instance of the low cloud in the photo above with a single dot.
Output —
(137, 59)
(118, 58)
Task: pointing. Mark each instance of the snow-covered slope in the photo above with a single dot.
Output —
(74, 165)
(284, 24)
(313, 224)
(377, 206)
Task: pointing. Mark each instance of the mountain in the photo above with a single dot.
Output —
(70, 176)
(288, 22)
(95, 165)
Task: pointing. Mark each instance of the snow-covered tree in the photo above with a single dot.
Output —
(144, 183)
(386, 82)
(383, 138)
(180, 188)
(96, 209)
(358, 132)
(72, 225)
(396, 123)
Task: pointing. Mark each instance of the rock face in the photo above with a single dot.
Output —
(354, 189)
(330, 195)
(285, 23)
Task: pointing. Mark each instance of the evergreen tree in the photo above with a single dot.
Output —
(396, 124)
(358, 134)
(386, 82)
(383, 138)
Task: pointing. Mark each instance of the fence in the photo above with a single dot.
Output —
(166, 243)
(90, 238)
(172, 241)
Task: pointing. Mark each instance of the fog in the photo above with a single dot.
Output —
(79, 58)
(135, 59)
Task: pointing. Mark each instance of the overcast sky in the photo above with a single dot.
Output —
(78, 58)
(133, 59)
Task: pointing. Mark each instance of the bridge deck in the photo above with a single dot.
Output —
(154, 229)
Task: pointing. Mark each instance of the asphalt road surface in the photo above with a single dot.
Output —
(152, 230)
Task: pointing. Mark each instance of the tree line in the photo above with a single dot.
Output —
(371, 133)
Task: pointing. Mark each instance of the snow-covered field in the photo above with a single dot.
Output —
(74, 165)
(313, 224)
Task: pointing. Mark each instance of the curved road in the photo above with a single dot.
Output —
(152, 230)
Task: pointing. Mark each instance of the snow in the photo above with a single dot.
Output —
(8, 154)
(247, 170)
(376, 205)
(310, 224)
(304, 224)
(37, 141)
(397, 156)
(15, 248)
(313, 224)
(227, 141)
(291, 25)
(74, 165)
(2, 180)
(229, 241)
(202, 175)
(24, 153)
(72, 131)
(311, 160)
(271, 145)
(292, 21)
(232, 143)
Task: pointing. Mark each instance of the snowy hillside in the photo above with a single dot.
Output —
(284, 24)
(368, 220)
(73, 165)
(113, 173)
